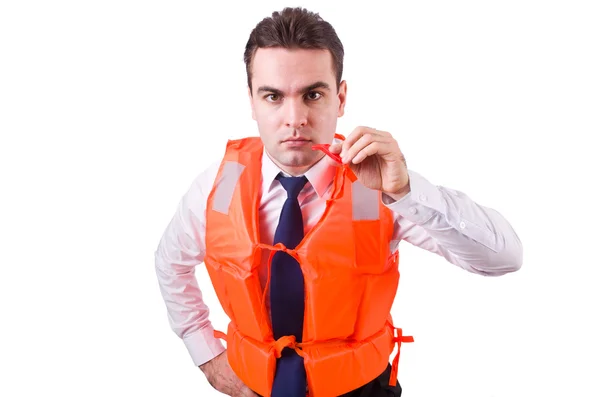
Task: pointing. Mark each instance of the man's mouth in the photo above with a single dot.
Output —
(296, 142)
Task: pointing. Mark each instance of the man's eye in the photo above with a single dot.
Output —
(272, 97)
(313, 95)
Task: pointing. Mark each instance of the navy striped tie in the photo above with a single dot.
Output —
(287, 293)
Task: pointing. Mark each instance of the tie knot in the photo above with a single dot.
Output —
(292, 184)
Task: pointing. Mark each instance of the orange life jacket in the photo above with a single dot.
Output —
(350, 280)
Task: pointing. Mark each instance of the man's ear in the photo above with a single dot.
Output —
(342, 97)
(251, 103)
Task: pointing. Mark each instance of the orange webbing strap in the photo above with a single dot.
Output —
(350, 174)
(336, 157)
(347, 169)
(399, 339)
(324, 147)
(277, 345)
(286, 341)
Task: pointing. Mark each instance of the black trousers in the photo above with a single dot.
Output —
(378, 387)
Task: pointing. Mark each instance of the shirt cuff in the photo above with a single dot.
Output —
(420, 204)
(202, 345)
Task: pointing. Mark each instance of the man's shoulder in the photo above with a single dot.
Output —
(205, 179)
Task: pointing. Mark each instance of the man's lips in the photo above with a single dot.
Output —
(296, 142)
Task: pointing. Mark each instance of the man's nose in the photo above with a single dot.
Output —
(296, 113)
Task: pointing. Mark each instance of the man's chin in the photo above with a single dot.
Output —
(298, 159)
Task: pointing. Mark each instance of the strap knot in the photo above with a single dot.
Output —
(286, 341)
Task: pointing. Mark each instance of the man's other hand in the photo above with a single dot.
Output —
(222, 378)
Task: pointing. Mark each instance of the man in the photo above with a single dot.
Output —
(280, 305)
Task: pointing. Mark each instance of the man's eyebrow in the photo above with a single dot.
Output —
(318, 84)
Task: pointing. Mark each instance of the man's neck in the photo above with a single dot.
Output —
(294, 171)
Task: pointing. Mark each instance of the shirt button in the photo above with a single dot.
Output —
(462, 225)
(423, 197)
(412, 210)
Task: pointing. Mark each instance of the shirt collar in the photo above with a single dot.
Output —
(320, 175)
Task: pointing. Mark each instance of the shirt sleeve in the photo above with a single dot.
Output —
(449, 223)
(180, 249)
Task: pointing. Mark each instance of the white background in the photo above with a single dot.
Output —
(108, 111)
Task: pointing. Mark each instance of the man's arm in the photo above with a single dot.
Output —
(447, 222)
(181, 248)
(438, 219)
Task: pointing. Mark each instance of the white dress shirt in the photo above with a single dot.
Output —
(438, 219)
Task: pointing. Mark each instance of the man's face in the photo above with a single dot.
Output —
(295, 104)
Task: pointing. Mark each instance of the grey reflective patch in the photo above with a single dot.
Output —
(226, 186)
(365, 202)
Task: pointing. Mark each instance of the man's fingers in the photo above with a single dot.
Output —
(357, 134)
(367, 151)
(354, 136)
(365, 141)
(335, 148)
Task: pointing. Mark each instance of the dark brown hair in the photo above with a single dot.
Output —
(295, 28)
